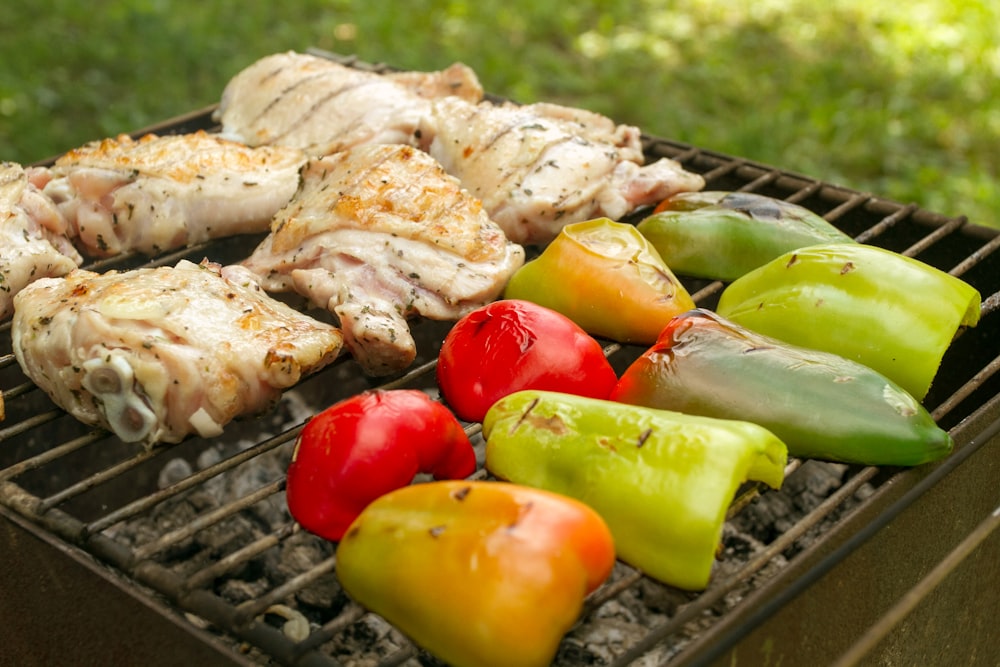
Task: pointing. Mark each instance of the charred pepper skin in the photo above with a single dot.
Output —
(481, 574)
(820, 404)
(606, 277)
(892, 313)
(723, 235)
(662, 480)
(368, 445)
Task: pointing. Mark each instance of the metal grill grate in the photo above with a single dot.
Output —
(201, 526)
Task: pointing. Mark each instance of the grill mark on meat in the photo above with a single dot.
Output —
(541, 158)
(318, 106)
(499, 135)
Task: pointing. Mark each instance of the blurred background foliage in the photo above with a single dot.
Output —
(899, 99)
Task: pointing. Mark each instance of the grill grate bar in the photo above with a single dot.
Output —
(208, 519)
(149, 501)
(253, 608)
(707, 292)
(97, 479)
(760, 182)
(19, 390)
(936, 235)
(50, 455)
(723, 170)
(611, 590)
(804, 193)
(976, 256)
(847, 206)
(885, 224)
(349, 615)
(237, 558)
(27, 424)
(966, 389)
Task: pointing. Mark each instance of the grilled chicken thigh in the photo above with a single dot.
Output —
(322, 107)
(157, 193)
(378, 234)
(157, 354)
(539, 167)
(33, 236)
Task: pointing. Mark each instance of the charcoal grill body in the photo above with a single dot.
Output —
(71, 587)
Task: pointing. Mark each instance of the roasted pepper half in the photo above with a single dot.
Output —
(509, 345)
(722, 235)
(606, 277)
(892, 313)
(662, 480)
(365, 446)
(478, 573)
(820, 404)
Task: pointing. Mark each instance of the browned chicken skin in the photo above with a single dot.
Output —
(155, 355)
(155, 193)
(378, 234)
(321, 107)
(540, 167)
(34, 240)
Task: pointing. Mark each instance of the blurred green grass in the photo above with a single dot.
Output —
(898, 99)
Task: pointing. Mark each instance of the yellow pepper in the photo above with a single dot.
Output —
(606, 277)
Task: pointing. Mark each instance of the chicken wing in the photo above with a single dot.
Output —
(540, 167)
(33, 236)
(378, 234)
(157, 354)
(322, 107)
(158, 193)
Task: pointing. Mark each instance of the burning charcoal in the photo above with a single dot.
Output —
(660, 599)
(174, 471)
(366, 641)
(575, 652)
(815, 480)
(237, 591)
(606, 637)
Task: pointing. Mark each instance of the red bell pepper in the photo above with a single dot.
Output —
(366, 446)
(510, 345)
(480, 574)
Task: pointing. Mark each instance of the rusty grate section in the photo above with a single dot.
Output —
(202, 525)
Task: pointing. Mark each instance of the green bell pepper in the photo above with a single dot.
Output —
(821, 405)
(662, 480)
(723, 235)
(606, 277)
(892, 313)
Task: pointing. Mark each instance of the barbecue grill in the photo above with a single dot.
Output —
(186, 554)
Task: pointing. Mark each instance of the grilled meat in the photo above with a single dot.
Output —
(539, 167)
(322, 107)
(163, 192)
(157, 354)
(33, 236)
(378, 234)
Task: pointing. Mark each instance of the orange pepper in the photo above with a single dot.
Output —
(606, 277)
(478, 573)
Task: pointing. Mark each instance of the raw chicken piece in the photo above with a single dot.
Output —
(540, 167)
(157, 193)
(322, 107)
(157, 354)
(380, 233)
(33, 240)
